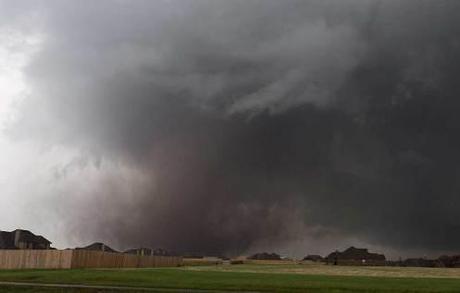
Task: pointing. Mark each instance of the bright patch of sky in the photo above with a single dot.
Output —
(25, 169)
(32, 176)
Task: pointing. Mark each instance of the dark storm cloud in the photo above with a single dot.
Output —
(251, 117)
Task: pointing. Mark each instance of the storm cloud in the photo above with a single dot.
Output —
(250, 121)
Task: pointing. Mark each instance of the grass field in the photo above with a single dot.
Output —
(320, 269)
(249, 277)
(14, 289)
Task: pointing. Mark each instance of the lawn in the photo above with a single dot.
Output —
(14, 289)
(249, 277)
(320, 269)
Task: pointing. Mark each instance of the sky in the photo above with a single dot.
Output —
(230, 127)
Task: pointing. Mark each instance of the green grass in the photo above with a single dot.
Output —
(14, 289)
(330, 270)
(232, 278)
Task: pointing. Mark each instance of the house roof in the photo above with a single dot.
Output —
(97, 246)
(353, 253)
(7, 239)
(26, 235)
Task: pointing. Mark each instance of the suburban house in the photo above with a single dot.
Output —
(313, 257)
(265, 256)
(140, 251)
(149, 251)
(449, 261)
(355, 256)
(22, 239)
(97, 246)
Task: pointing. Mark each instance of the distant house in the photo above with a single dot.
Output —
(149, 251)
(265, 256)
(443, 261)
(22, 239)
(140, 251)
(355, 256)
(97, 246)
(420, 262)
(314, 257)
(448, 261)
(163, 252)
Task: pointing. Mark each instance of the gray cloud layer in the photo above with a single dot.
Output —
(250, 118)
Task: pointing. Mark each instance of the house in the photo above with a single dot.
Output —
(97, 246)
(140, 251)
(313, 257)
(448, 261)
(22, 239)
(419, 262)
(164, 252)
(355, 256)
(265, 256)
(149, 251)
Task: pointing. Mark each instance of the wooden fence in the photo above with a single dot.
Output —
(35, 259)
(98, 259)
(66, 259)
